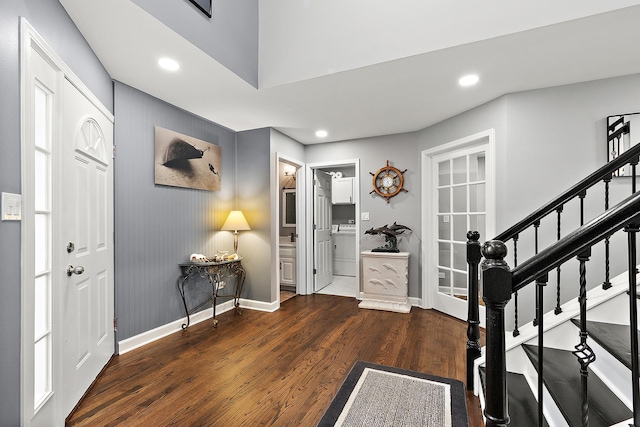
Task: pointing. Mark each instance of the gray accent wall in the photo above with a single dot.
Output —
(55, 26)
(158, 227)
(230, 36)
(254, 200)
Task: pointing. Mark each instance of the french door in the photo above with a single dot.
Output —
(461, 200)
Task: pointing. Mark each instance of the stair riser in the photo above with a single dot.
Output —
(615, 310)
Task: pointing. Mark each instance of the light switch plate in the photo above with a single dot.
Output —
(364, 216)
(11, 207)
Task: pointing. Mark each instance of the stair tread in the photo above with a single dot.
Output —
(562, 379)
(523, 407)
(616, 339)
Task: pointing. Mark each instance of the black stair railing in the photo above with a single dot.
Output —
(513, 234)
(500, 282)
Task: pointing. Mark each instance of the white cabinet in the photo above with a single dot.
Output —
(342, 191)
(385, 281)
(287, 265)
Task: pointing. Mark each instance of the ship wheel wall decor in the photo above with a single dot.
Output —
(388, 182)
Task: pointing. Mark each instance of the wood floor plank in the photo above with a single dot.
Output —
(269, 369)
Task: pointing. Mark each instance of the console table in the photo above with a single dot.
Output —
(213, 272)
(385, 281)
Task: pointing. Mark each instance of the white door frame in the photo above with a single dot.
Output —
(429, 232)
(308, 184)
(31, 40)
(300, 226)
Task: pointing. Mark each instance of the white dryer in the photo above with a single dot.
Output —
(344, 250)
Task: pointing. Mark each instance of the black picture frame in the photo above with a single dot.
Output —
(622, 134)
(203, 5)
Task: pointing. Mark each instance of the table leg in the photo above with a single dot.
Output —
(240, 276)
(181, 281)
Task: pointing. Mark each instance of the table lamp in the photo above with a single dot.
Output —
(235, 221)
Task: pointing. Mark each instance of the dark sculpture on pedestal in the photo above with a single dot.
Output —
(389, 232)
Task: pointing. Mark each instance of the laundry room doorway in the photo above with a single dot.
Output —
(333, 245)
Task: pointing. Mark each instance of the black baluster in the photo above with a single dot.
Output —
(633, 307)
(558, 309)
(631, 231)
(582, 351)
(516, 332)
(607, 274)
(633, 164)
(536, 227)
(582, 195)
(541, 282)
(496, 279)
(473, 315)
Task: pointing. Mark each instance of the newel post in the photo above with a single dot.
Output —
(473, 315)
(496, 279)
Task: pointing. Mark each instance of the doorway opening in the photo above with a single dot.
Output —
(289, 221)
(333, 228)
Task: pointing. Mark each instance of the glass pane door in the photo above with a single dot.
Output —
(461, 200)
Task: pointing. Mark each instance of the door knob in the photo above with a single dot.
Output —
(74, 270)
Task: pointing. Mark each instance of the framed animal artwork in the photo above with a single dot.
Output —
(185, 161)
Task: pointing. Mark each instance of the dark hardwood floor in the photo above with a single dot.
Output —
(263, 369)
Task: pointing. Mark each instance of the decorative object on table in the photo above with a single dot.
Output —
(221, 256)
(203, 5)
(620, 137)
(388, 182)
(235, 222)
(198, 258)
(389, 232)
(184, 161)
(384, 395)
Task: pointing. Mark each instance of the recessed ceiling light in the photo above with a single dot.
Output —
(168, 64)
(322, 133)
(469, 80)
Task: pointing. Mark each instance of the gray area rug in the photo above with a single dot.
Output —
(376, 396)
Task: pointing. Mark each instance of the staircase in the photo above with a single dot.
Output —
(610, 399)
(572, 365)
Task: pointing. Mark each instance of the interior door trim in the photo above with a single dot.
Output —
(310, 167)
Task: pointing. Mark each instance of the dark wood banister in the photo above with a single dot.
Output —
(563, 198)
(610, 221)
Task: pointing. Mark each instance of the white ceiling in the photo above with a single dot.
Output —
(364, 68)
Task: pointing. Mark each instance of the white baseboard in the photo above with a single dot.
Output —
(152, 335)
(415, 302)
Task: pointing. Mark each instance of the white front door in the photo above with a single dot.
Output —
(67, 189)
(322, 230)
(86, 224)
(461, 183)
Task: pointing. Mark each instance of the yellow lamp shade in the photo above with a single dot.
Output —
(235, 221)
